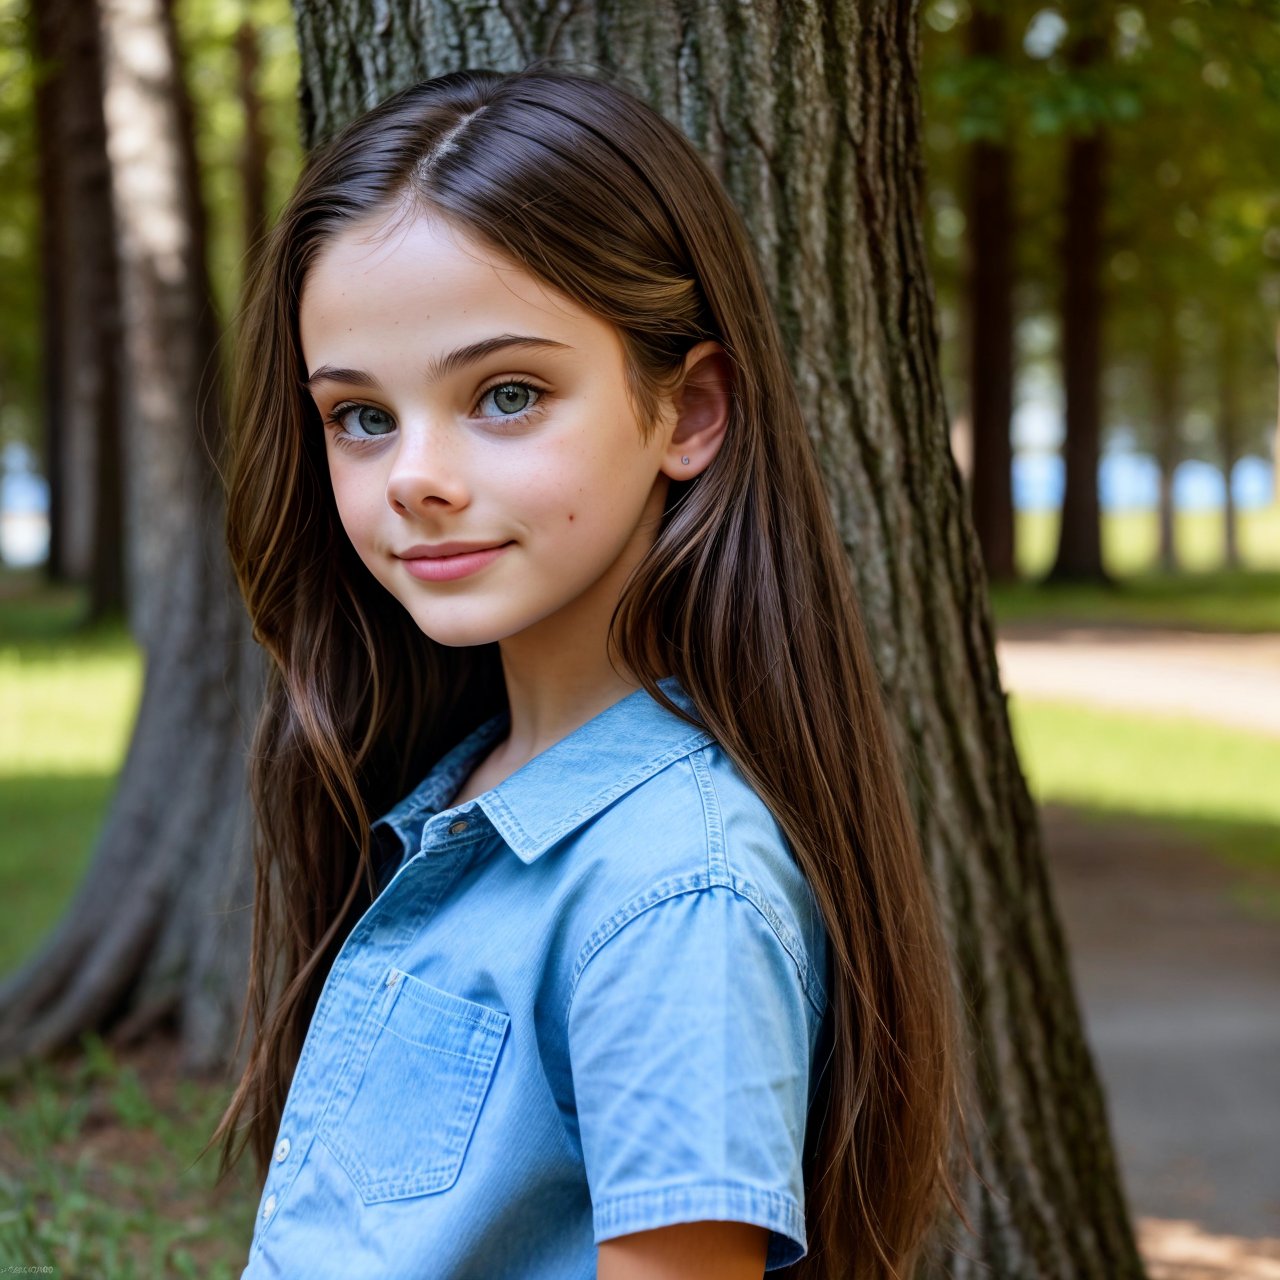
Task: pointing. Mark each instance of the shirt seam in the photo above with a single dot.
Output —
(677, 887)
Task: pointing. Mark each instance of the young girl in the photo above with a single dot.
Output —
(591, 933)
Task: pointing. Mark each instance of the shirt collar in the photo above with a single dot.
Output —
(565, 785)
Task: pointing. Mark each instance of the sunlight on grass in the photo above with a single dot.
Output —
(1217, 783)
(68, 696)
(1130, 540)
(67, 711)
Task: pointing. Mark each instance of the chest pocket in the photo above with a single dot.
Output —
(403, 1113)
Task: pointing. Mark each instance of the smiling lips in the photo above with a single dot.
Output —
(448, 560)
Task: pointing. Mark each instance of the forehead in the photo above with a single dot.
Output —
(393, 269)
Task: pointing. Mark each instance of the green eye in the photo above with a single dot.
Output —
(370, 420)
(512, 399)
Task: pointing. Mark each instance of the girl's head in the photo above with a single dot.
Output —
(550, 205)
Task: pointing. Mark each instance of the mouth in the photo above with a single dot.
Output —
(428, 568)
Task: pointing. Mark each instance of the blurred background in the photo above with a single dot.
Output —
(1103, 227)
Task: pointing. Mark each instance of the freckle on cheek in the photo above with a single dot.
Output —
(570, 515)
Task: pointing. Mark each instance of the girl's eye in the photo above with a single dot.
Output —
(367, 418)
(512, 399)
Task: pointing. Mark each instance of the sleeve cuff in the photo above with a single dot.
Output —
(707, 1201)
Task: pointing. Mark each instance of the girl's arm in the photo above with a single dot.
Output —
(686, 1251)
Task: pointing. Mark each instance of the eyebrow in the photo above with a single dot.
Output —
(439, 366)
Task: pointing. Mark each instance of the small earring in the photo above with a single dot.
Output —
(685, 461)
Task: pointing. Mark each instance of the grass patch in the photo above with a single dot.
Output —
(1214, 784)
(68, 696)
(1230, 602)
(1130, 541)
(1204, 596)
(98, 1174)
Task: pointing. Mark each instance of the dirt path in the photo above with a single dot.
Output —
(1180, 992)
(1231, 679)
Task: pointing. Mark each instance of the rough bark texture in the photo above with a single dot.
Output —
(1079, 555)
(811, 117)
(159, 927)
(990, 300)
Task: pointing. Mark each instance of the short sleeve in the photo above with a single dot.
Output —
(690, 1040)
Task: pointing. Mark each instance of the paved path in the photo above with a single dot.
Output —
(1231, 679)
(1180, 989)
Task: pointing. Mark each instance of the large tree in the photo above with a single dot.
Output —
(811, 117)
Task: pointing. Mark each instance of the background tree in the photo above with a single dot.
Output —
(989, 287)
(81, 300)
(150, 936)
(1190, 214)
(814, 125)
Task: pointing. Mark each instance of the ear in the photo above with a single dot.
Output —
(701, 404)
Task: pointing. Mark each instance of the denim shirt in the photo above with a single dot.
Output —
(585, 1003)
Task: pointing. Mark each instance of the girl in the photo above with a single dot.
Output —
(642, 976)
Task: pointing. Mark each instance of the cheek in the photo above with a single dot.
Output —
(353, 497)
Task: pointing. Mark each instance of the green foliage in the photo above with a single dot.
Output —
(1188, 96)
(207, 30)
(19, 244)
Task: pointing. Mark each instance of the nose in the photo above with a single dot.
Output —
(427, 470)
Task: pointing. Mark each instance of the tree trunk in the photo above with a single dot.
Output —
(1229, 431)
(151, 935)
(253, 151)
(50, 89)
(990, 219)
(811, 116)
(1164, 399)
(1079, 554)
(85, 434)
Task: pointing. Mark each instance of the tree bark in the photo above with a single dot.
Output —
(158, 930)
(991, 236)
(811, 117)
(1079, 556)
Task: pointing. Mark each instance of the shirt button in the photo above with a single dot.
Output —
(282, 1149)
(269, 1207)
(457, 828)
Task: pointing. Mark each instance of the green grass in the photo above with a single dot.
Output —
(1130, 540)
(67, 700)
(1214, 784)
(98, 1174)
(1207, 597)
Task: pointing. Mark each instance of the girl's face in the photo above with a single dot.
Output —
(467, 402)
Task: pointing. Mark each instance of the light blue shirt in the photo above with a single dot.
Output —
(585, 1003)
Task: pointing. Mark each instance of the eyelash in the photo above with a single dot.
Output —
(345, 440)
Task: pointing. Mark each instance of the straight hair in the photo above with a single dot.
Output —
(745, 596)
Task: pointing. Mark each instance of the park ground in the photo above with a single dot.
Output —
(1162, 832)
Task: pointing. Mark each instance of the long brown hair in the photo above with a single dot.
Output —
(745, 596)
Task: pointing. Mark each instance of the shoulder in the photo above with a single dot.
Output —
(698, 827)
